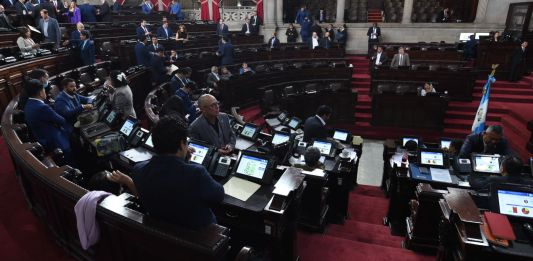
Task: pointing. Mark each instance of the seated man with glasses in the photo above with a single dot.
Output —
(213, 126)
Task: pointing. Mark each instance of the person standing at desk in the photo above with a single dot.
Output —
(213, 126)
(491, 141)
(69, 104)
(511, 173)
(373, 34)
(170, 187)
(315, 126)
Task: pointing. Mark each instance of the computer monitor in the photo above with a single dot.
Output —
(432, 158)
(201, 152)
(148, 143)
(481, 34)
(445, 144)
(280, 138)
(341, 135)
(326, 147)
(110, 117)
(406, 139)
(463, 37)
(294, 123)
(513, 200)
(250, 131)
(252, 166)
(128, 126)
(486, 163)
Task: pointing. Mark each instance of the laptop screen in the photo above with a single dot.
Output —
(323, 146)
(111, 117)
(251, 166)
(294, 123)
(200, 152)
(445, 144)
(149, 142)
(279, 138)
(127, 127)
(515, 203)
(406, 139)
(487, 163)
(249, 131)
(432, 158)
(340, 135)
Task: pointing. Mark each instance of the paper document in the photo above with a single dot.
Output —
(240, 188)
(442, 175)
(34, 29)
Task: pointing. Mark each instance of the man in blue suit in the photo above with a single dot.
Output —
(185, 94)
(143, 30)
(315, 126)
(147, 7)
(222, 28)
(50, 28)
(69, 104)
(157, 66)
(175, 9)
(305, 32)
(164, 31)
(225, 51)
(301, 15)
(48, 127)
(88, 13)
(75, 36)
(141, 52)
(86, 49)
(116, 6)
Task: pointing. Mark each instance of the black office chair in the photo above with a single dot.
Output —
(86, 79)
(289, 91)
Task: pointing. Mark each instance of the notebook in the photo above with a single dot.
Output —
(499, 225)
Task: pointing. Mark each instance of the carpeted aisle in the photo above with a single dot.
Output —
(22, 237)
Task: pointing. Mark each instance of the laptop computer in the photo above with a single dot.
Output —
(280, 137)
(516, 202)
(341, 135)
(327, 148)
(488, 164)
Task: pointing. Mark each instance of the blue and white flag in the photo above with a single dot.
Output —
(479, 121)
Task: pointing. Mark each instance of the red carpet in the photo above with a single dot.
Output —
(22, 237)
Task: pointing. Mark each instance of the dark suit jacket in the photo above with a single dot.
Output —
(222, 31)
(383, 58)
(20, 7)
(48, 127)
(161, 33)
(140, 32)
(482, 182)
(4, 23)
(87, 53)
(8, 4)
(88, 13)
(200, 129)
(341, 36)
(325, 43)
(212, 79)
(323, 16)
(54, 34)
(518, 56)
(250, 28)
(105, 13)
(116, 6)
(226, 53)
(369, 33)
(69, 108)
(159, 72)
(44, 5)
(316, 29)
(276, 43)
(75, 38)
(152, 48)
(474, 144)
(142, 54)
(255, 21)
(313, 129)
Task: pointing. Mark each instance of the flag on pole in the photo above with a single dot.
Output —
(478, 125)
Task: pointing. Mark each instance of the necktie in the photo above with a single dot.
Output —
(145, 31)
(83, 46)
(166, 32)
(401, 59)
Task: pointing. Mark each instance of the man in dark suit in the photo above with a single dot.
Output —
(256, 22)
(443, 16)
(155, 46)
(511, 173)
(225, 51)
(373, 34)
(48, 127)
(104, 13)
(321, 15)
(141, 52)
(70, 104)
(86, 49)
(273, 42)
(143, 30)
(186, 98)
(75, 36)
(342, 35)
(316, 28)
(157, 62)
(164, 31)
(470, 48)
(4, 20)
(400, 59)
(247, 27)
(50, 28)
(314, 41)
(173, 56)
(9, 3)
(326, 42)
(222, 28)
(21, 8)
(44, 6)
(178, 80)
(491, 141)
(379, 58)
(315, 126)
(213, 78)
(88, 13)
(517, 62)
(116, 6)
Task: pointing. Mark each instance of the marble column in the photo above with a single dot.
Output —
(481, 11)
(279, 12)
(407, 11)
(341, 5)
(269, 12)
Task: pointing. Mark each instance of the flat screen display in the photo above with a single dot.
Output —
(324, 147)
(199, 153)
(465, 36)
(340, 135)
(445, 144)
(432, 158)
(149, 142)
(280, 138)
(487, 163)
(252, 166)
(294, 123)
(127, 127)
(515, 203)
(406, 139)
(248, 131)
